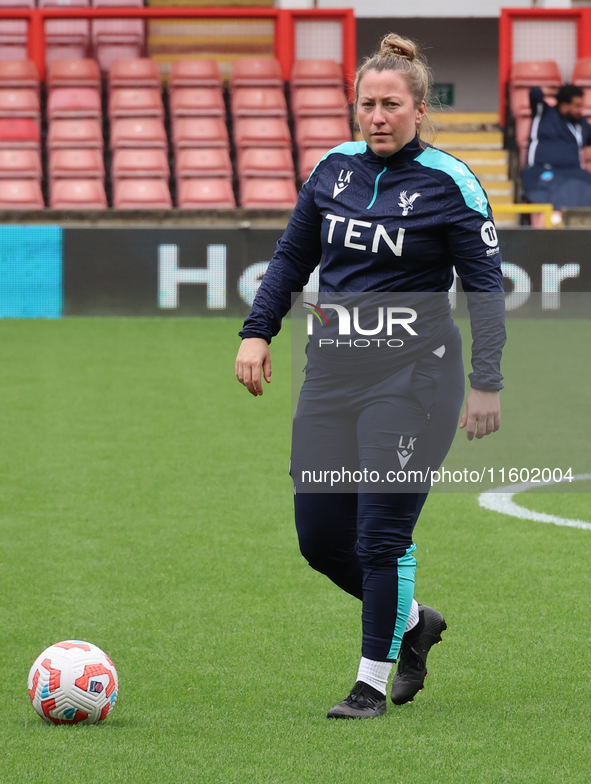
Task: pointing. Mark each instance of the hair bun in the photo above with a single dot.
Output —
(398, 46)
(399, 55)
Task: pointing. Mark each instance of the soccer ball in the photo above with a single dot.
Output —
(73, 682)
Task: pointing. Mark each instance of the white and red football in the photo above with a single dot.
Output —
(73, 682)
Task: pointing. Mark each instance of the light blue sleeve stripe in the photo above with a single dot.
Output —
(347, 148)
(470, 188)
(407, 567)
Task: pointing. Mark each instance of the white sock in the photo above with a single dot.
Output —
(413, 618)
(375, 673)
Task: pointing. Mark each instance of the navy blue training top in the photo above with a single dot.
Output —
(553, 139)
(397, 224)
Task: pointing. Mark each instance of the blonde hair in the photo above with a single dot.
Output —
(402, 55)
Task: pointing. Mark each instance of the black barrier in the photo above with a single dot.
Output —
(163, 272)
(546, 255)
(215, 271)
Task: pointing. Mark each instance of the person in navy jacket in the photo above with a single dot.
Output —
(389, 217)
(558, 149)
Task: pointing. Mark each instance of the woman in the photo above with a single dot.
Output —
(389, 214)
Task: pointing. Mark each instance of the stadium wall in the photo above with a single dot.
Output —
(462, 52)
(55, 271)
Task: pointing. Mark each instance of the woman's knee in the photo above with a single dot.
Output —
(327, 529)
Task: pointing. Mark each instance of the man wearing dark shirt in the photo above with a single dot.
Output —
(558, 149)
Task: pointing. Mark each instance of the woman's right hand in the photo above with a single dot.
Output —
(254, 358)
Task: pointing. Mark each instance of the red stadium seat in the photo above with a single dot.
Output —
(261, 162)
(61, 4)
(522, 129)
(135, 102)
(536, 74)
(308, 159)
(65, 52)
(13, 32)
(19, 73)
(117, 4)
(266, 132)
(13, 37)
(117, 39)
(206, 194)
(524, 75)
(520, 104)
(322, 131)
(9, 35)
(138, 134)
(76, 164)
(17, 3)
(279, 194)
(256, 72)
(107, 54)
(136, 164)
(258, 102)
(20, 165)
(194, 73)
(204, 163)
(82, 194)
(141, 194)
(66, 38)
(582, 72)
(538, 219)
(319, 102)
(142, 72)
(72, 103)
(118, 32)
(586, 102)
(21, 195)
(200, 132)
(13, 51)
(519, 101)
(74, 134)
(19, 134)
(316, 73)
(20, 103)
(74, 73)
(197, 102)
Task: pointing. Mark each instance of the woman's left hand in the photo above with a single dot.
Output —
(481, 414)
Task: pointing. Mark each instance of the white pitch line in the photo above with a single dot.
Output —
(501, 500)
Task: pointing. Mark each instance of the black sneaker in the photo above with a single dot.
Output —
(416, 644)
(364, 702)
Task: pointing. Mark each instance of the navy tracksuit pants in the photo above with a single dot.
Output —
(362, 540)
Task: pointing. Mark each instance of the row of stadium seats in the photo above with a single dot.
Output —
(321, 114)
(261, 133)
(106, 40)
(542, 73)
(136, 125)
(143, 72)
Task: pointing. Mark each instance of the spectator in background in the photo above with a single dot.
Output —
(558, 149)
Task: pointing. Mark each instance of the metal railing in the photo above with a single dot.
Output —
(284, 20)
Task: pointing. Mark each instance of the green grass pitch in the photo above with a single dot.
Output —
(145, 506)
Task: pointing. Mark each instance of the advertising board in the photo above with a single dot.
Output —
(49, 271)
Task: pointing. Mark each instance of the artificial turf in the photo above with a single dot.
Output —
(145, 506)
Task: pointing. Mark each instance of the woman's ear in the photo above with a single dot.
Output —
(421, 109)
